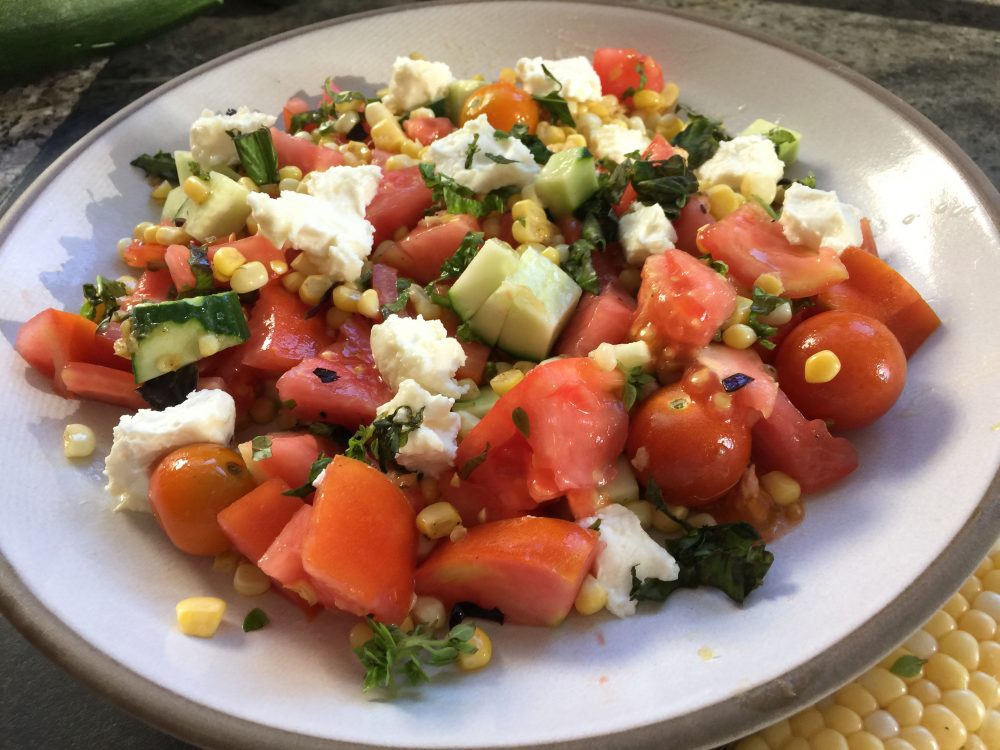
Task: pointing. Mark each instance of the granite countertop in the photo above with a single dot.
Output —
(941, 57)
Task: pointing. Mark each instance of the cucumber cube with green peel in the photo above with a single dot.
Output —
(494, 262)
(172, 204)
(787, 148)
(224, 211)
(458, 92)
(481, 404)
(567, 180)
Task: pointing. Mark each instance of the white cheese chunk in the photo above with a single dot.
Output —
(327, 222)
(431, 447)
(415, 83)
(746, 157)
(627, 545)
(578, 78)
(645, 231)
(211, 145)
(817, 218)
(142, 438)
(451, 154)
(420, 350)
(614, 142)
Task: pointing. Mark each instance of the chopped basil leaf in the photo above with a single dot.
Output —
(160, 164)
(402, 298)
(325, 375)
(718, 266)
(499, 159)
(260, 447)
(779, 135)
(736, 381)
(767, 207)
(463, 610)
(465, 333)
(470, 152)
(809, 180)
(521, 422)
(640, 68)
(473, 463)
(384, 437)
(100, 300)
(634, 380)
(256, 619)
(763, 304)
(390, 651)
(257, 155)
(204, 281)
(580, 266)
(300, 120)
(700, 138)
(452, 267)
(667, 182)
(170, 388)
(196, 170)
(458, 199)
(539, 151)
(595, 526)
(554, 103)
(908, 666)
(315, 470)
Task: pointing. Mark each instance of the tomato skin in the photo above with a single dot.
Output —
(281, 335)
(99, 383)
(178, 259)
(401, 200)
(304, 154)
(598, 318)
(188, 489)
(426, 130)
(618, 69)
(144, 255)
(871, 377)
(504, 106)
(431, 243)
(693, 217)
(253, 522)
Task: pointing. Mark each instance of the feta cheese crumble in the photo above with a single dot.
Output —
(578, 78)
(817, 218)
(627, 545)
(211, 145)
(142, 438)
(327, 222)
(745, 157)
(645, 231)
(431, 447)
(614, 142)
(415, 83)
(451, 154)
(420, 350)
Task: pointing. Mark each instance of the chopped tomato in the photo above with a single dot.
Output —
(657, 150)
(360, 547)
(254, 521)
(868, 238)
(281, 332)
(401, 201)
(350, 400)
(295, 106)
(178, 258)
(725, 362)
(625, 71)
(693, 217)
(153, 286)
(682, 302)
(426, 130)
(292, 455)
(144, 255)
(283, 559)
(431, 243)
(303, 153)
(99, 383)
(476, 357)
(751, 244)
(504, 105)
(803, 449)
(598, 318)
(746, 502)
(877, 290)
(384, 283)
(255, 248)
(608, 265)
(240, 379)
(576, 428)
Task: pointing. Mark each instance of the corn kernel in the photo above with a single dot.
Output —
(783, 489)
(200, 616)
(249, 277)
(387, 135)
(293, 281)
(966, 705)
(986, 688)
(806, 723)
(779, 316)
(863, 741)
(263, 410)
(700, 520)
(226, 260)
(841, 719)
(643, 510)
(171, 236)
(856, 698)
(457, 533)
(78, 441)
(226, 562)
(481, 656)
(360, 634)
(575, 141)
(740, 314)
(208, 344)
(947, 673)
(591, 598)
(827, 739)
(399, 161)
(647, 99)
(507, 75)
(919, 738)
(760, 186)
(723, 200)
(161, 191)
(945, 726)
(249, 580)
(290, 172)
(907, 710)
(739, 336)
(550, 253)
(669, 125)
(940, 624)
(288, 185)
(437, 520)
(429, 611)
(769, 283)
(411, 149)
(368, 304)
(196, 189)
(314, 288)
(505, 381)
(631, 279)
(821, 367)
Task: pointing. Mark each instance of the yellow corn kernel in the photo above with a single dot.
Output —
(925, 691)
(575, 141)
(884, 686)
(882, 724)
(643, 510)
(249, 580)
(505, 381)
(411, 148)
(779, 316)
(723, 200)
(863, 741)
(821, 367)
(945, 672)
(399, 161)
(989, 732)
(971, 588)
(139, 232)
(550, 134)
(947, 729)
(828, 739)
(986, 688)
(251, 225)
(591, 598)
(336, 318)
(550, 253)
(78, 441)
(856, 698)
(481, 656)
(196, 189)
(314, 287)
(988, 602)
(290, 172)
(740, 314)
(940, 624)
(208, 344)
(769, 283)
(918, 737)
(841, 719)
(457, 533)
(160, 191)
(226, 562)
(507, 75)
(278, 267)
(739, 336)
(957, 606)
(226, 260)
(429, 611)
(753, 742)
(346, 298)
(978, 624)
(700, 520)
(288, 185)
(666, 524)
(149, 234)
(782, 488)
(760, 186)
(293, 281)
(962, 647)
(966, 705)
(360, 634)
(524, 366)
(669, 125)
(648, 99)
(263, 410)
(670, 93)
(171, 236)
(200, 616)
(248, 184)
(387, 135)
(368, 304)
(437, 520)
(806, 723)
(249, 277)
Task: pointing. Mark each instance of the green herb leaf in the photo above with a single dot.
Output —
(390, 652)
(196, 170)
(521, 422)
(700, 138)
(473, 463)
(260, 447)
(539, 151)
(256, 619)
(402, 298)
(907, 666)
(465, 332)
(779, 135)
(384, 437)
(762, 305)
(768, 208)
(300, 120)
(452, 267)
(160, 164)
(635, 379)
(315, 470)
(595, 526)
(718, 266)
(470, 152)
(809, 180)
(668, 182)
(580, 266)
(204, 281)
(554, 103)
(100, 300)
(499, 159)
(344, 97)
(257, 155)
(457, 199)
(640, 68)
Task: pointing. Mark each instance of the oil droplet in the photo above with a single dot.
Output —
(706, 653)
(908, 219)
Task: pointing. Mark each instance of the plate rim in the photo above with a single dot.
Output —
(194, 722)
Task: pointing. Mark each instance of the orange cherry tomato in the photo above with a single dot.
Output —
(504, 106)
(189, 487)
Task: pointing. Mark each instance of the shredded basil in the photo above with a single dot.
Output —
(257, 155)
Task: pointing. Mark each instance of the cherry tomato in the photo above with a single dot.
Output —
(189, 487)
(872, 368)
(695, 448)
(504, 106)
(624, 69)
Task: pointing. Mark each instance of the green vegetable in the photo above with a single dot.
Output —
(635, 379)
(481, 404)
(907, 666)
(402, 298)
(580, 266)
(539, 151)
(700, 138)
(225, 210)
(261, 447)
(720, 267)
(100, 300)
(457, 199)
(470, 152)
(483, 273)
(171, 388)
(257, 155)
(640, 68)
(384, 437)
(256, 619)
(762, 305)
(567, 181)
(390, 651)
(668, 182)
(465, 471)
(521, 422)
(204, 281)
(315, 469)
(554, 104)
(453, 267)
(786, 141)
(160, 164)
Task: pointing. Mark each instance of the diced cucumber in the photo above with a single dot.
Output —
(175, 199)
(543, 299)
(567, 180)
(481, 404)
(182, 160)
(168, 335)
(494, 262)
(225, 210)
(490, 317)
(788, 151)
(633, 354)
(623, 488)
(458, 92)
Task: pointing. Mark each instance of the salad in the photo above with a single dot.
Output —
(494, 350)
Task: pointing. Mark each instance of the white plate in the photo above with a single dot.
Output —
(96, 590)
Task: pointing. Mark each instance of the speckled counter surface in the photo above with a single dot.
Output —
(941, 57)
